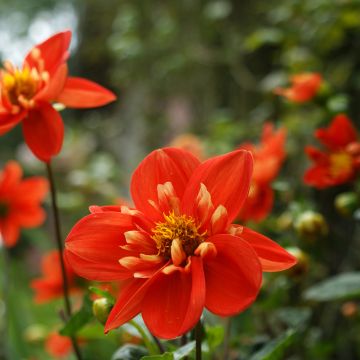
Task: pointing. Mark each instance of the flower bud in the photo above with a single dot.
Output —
(311, 225)
(101, 309)
(302, 265)
(346, 203)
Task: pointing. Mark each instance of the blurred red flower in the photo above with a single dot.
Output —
(177, 251)
(20, 202)
(340, 160)
(27, 94)
(268, 156)
(50, 285)
(58, 346)
(303, 88)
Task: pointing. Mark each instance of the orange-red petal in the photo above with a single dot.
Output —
(233, 277)
(174, 302)
(272, 256)
(43, 131)
(93, 246)
(82, 93)
(226, 177)
(8, 121)
(160, 166)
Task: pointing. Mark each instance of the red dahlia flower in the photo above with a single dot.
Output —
(26, 95)
(268, 159)
(57, 345)
(177, 251)
(340, 161)
(304, 87)
(50, 285)
(20, 202)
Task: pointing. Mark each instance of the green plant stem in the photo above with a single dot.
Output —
(227, 338)
(198, 339)
(6, 295)
(148, 343)
(159, 344)
(59, 243)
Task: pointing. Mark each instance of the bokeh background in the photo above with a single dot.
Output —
(206, 67)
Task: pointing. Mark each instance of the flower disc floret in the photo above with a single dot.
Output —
(181, 227)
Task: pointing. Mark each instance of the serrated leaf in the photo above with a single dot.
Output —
(165, 356)
(274, 349)
(339, 287)
(79, 319)
(129, 352)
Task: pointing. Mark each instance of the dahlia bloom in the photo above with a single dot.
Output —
(20, 202)
(269, 156)
(50, 285)
(58, 346)
(339, 162)
(303, 88)
(26, 95)
(177, 250)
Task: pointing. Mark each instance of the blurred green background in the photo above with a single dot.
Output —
(209, 68)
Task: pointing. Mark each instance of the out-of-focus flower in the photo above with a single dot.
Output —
(190, 143)
(20, 202)
(177, 251)
(268, 156)
(50, 285)
(58, 346)
(350, 309)
(303, 88)
(28, 92)
(339, 162)
(311, 225)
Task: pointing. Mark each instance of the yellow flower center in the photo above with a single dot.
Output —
(181, 227)
(340, 163)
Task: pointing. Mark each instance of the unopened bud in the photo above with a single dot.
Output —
(346, 203)
(302, 265)
(284, 221)
(311, 225)
(101, 309)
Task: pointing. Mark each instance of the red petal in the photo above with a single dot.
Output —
(54, 51)
(31, 191)
(44, 132)
(9, 231)
(10, 178)
(81, 93)
(340, 133)
(8, 121)
(167, 164)
(93, 246)
(272, 256)
(55, 85)
(174, 302)
(226, 177)
(128, 304)
(233, 277)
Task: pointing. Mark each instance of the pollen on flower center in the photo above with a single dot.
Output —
(340, 162)
(180, 227)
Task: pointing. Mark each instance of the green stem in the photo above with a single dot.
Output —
(227, 338)
(148, 343)
(58, 237)
(198, 339)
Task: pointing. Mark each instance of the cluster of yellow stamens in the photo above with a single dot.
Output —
(182, 229)
(20, 85)
(340, 162)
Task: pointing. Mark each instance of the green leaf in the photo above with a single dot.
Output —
(129, 352)
(165, 356)
(339, 287)
(184, 351)
(79, 319)
(274, 349)
(102, 293)
(215, 336)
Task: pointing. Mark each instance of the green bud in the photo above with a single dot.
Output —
(302, 265)
(311, 225)
(101, 309)
(346, 203)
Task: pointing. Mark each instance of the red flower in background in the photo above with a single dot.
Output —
(340, 160)
(57, 345)
(20, 202)
(27, 94)
(268, 159)
(177, 251)
(303, 87)
(50, 285)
